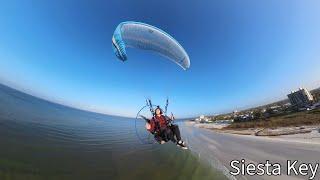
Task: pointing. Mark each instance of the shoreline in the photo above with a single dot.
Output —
(298, 134)
(220, 149)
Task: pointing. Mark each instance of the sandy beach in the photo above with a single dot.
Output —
(220, 148)
(303, 134)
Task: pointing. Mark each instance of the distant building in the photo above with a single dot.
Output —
(203, 119)
(243, 117)
(301, 98)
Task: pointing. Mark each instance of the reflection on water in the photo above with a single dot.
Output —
(41, 140)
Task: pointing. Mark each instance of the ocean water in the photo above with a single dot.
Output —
(43, 140)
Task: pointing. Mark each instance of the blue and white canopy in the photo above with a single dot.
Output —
(143, 36)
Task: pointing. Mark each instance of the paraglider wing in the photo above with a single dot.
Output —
(143, 36)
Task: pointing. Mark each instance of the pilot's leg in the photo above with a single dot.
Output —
(169, 136)
(176, 131)
(158, 138)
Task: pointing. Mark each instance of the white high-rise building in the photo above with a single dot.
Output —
(300, 98)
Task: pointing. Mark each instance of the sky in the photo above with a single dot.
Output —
(243, 53)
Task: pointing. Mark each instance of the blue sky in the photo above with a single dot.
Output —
(243, 53)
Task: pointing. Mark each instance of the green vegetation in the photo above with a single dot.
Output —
(292, 119)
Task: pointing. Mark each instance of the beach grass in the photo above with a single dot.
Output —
(304, 118)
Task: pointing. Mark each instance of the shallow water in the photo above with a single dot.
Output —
(42, 140)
